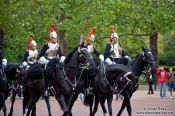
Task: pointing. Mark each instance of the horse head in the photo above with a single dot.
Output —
(149, 58)
(20, 74)
(80, 57)
(85, 58)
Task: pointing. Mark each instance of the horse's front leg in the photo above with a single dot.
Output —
(124, 103)
(61, 101)
(91, 103)
(71, 102)
(48, 105)
(95, 105)
(129, 104)
(109, 102)
(4, 108)
(12, 101)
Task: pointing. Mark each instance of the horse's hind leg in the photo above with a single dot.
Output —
(12, 101)
(48, 105)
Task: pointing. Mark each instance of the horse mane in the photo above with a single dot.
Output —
(70, 54)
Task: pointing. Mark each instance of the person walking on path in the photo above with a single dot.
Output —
(150, 82)
(171, 80)
(162, 78)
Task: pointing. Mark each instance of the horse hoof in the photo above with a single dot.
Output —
(70, 114)
(10, 114)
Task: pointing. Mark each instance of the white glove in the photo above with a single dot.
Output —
(43, 60)
(101, 58)
(4, 62)
(62, 58)
(108, 61)
(113, 63)
(24, 64)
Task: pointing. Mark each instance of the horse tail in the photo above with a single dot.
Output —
(88, 99)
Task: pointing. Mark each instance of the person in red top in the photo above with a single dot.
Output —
(162, 78)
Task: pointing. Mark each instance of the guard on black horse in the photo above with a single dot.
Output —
(30, 56)
(113, 52)
(88, 43)
(51, 50)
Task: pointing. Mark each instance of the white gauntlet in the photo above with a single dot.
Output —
(4, 62)
(101, 58)
(108, 61)
(62, 58)
(43, 60)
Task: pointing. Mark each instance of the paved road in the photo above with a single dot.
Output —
(142, 105)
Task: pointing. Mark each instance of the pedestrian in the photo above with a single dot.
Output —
(150, 82)
(162, 78)
(171, 80)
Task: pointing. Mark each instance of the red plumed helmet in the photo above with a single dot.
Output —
(111, 31)
(92, 32)
(52, 29)
(29, 41)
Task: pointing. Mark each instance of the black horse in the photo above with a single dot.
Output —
(126, 87)
(15, 74)
(64, 76)
(33, 88)
(4, 90)
(137, 67)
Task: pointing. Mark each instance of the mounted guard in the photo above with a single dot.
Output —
(88, 43)
(51, 49)
(113, 51)
(30, 56)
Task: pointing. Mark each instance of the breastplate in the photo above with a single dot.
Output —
(52, 52)
(32, 56)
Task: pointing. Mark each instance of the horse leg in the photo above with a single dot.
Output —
(29, 110)
(95, 105)
(129, 104)
(4, 108)
(124, 103)
(102, 103)
(91, 104)
(109, 102)
(33, 110)
(12, 101)
(61, 101)
(25, 101)
(48, 105)
(71, 102)
(3, 103)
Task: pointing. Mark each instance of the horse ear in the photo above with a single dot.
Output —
(143, 49)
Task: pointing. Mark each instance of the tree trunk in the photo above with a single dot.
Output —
(153, 46)
(1, 39)
(61, 33)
